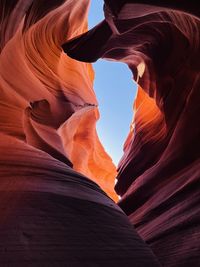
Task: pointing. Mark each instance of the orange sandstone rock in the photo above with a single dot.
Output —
(42, 89)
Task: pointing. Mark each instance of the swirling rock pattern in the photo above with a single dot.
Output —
(51, 215)
(44, 93)
(159, 173)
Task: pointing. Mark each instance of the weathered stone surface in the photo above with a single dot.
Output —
(47, 99)
(51, 215)
(159, 174)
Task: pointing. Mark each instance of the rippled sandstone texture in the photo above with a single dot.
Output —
(52, 213)
(44, 93)
(159, 174)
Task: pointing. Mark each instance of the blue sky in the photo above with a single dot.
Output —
(115, 92)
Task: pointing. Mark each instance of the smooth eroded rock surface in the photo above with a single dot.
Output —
(159, 173)
(52, 211)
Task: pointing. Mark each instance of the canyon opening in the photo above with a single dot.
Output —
(59, 187)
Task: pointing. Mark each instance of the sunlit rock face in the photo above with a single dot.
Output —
(47, 99)
(159, 173)
(51, 215)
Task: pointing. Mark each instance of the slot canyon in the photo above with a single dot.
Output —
(63, 201)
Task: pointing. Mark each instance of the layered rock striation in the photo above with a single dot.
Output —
(53, 213)
(159, 173)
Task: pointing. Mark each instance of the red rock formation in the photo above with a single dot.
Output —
(41, 82)
(52, 215)
(158, 176)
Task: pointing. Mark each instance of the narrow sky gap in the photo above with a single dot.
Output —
(115, 92)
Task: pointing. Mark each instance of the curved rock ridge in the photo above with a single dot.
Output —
(52, 215)
(47, 98)
(158, 175)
